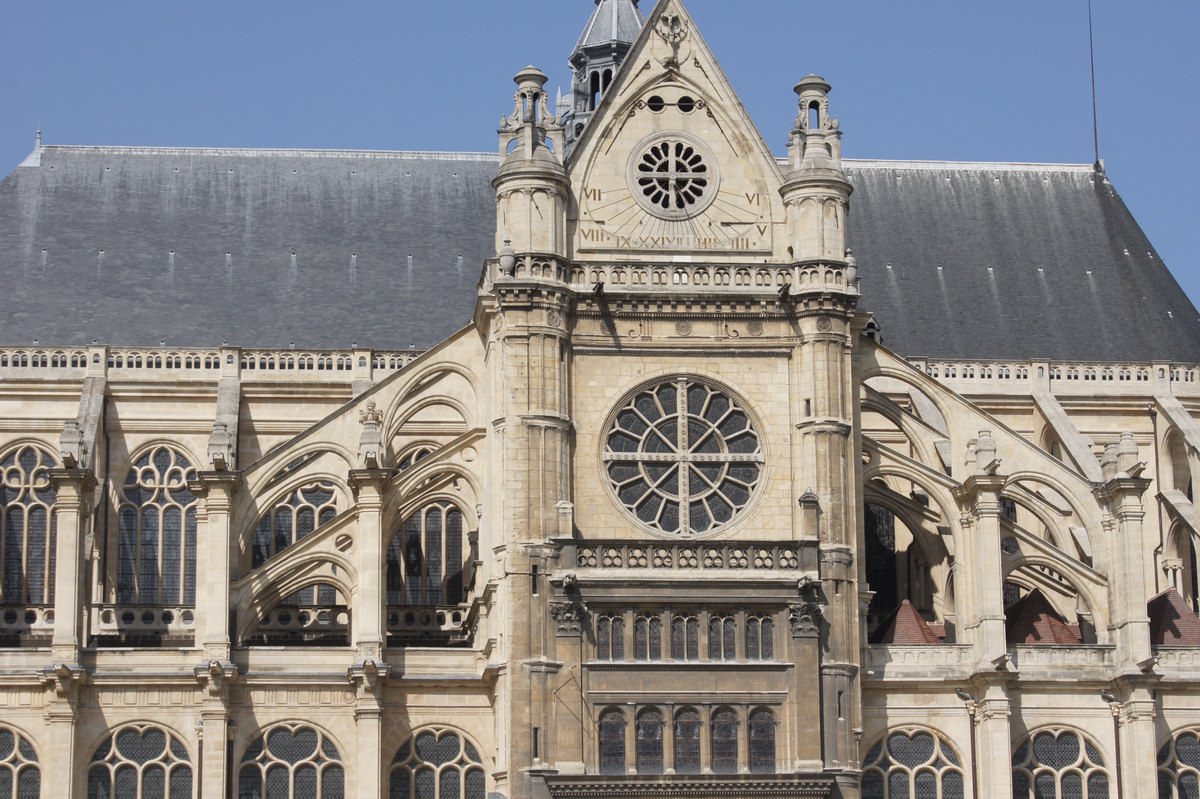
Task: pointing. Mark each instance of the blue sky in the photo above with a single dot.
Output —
(940, 80)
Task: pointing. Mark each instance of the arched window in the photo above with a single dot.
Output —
(612, 742)
(156, 550)
(687, 742)
(292, 519)
(20, 777)
(647, 637)
(762, 741)
(292, 761)
(650, 742)
(140, 761)
(610, 638)
(760, 634)
(685, 638)
(437, 764)
(27, 529)
(722, 638)
(724, 741)
(1059, 763)
(912, 765)
(425, 558)
(1178, 767)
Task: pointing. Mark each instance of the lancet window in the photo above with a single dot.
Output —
(156, 550)
(293, 761)
(20, 777)
(425, 558)
(760, 633)
(685, 638)
(914, 765)
(1059, 763)
(722, 638)
(292, 519)
(140, 762)
(27, 528)
(437, 764)
(647, 637)
(610, 638)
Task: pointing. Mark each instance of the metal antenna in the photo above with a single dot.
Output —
(1092, 53)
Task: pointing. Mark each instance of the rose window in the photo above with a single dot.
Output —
(683, 457)
(673, 176)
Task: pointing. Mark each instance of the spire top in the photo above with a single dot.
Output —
(613, 28)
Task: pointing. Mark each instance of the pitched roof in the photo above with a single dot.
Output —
(1024, 261)
(131, 246)
(612, 21)
(1172, 622)
(1032, 620)
(905, 627)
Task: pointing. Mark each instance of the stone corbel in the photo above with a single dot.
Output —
(804, 616)
(63, 681)
(215, 678)
(568, 617)
(368, 678)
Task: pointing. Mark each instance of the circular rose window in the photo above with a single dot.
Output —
(673, 176)
(683, 457)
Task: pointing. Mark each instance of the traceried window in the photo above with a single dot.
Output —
(20, 777)
(425, 558)
(913, 765)
(724, 741)
(687, 741)
(156, 549)
(612, 742)
(1059, 763)
(722, 638)
(610, 638)
(292, 761)
(650, 742)
(140, 761)
(762, 742)
(437, 764)
(27, 528)
(1178, 767)
(292, 519)
(683, 457)
(685, 638)
(760, 634)
(647, 637)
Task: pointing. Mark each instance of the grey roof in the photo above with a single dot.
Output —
(1023, 261)
(612, 21)
(258, 247)
(129, 246)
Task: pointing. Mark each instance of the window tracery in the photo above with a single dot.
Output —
(425, 558)
(683, 457)
(27, 527)
(140, 761)
(722, 638)
(437, 764)
(685, 638)
(760, 634)
(292, 519)
(20, 777)
(610, 637)
(1178, 767)
(156, 550)
(1059, 762)
(294, 761)
(914, 764)
(647, 637)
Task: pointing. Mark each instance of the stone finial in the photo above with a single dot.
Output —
(370, 444)
(508, 259)
(220, 447)
(72, 446)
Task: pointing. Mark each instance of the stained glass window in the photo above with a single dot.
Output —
(762, 741)
(20, 777)
(724, 741)
(760, 632)
(1179, 767)
(140, 761)
(1062, 761)
(685, 638)
(612, 742)
(722, 638)
(647, 637)
(292, 762)
(425, 558)
(292, 519)
(912, 765)
(687, 741)
(27, 528)
(437, 764)
(156, 530)
(650, 742)
(610, 637)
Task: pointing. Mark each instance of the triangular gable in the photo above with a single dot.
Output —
(1032, 620)
(670, 163)
(1172, 622)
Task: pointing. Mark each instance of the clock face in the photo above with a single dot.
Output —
(673, 197)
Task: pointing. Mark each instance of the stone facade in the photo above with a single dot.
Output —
(640, 529)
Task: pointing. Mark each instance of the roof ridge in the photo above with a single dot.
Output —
(275, 152)
(1013, 166)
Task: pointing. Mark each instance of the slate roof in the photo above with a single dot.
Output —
(129, 246)
(1023, 261)
(612, 21)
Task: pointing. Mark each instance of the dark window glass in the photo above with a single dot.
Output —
(156, 553)
(612, 742)
(140, 760)
(687, 742)
(425, 559)
(650, 742)
(724, 742)
(436, 764)
(762, 742)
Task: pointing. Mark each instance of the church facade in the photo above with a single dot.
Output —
(730, 474)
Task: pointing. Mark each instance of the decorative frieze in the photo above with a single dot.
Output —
(714, 556)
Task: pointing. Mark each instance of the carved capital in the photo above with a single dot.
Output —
(568, 617)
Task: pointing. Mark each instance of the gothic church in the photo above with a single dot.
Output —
(633, 460)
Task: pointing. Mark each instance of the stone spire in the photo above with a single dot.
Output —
(598, 54)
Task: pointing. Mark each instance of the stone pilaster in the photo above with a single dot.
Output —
(214, 553)
(1121, 499)
(215, 679)
(983, 622)
(368, 680)
(993, 735)
(63, 683)
(370, 634)
(73, 510)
